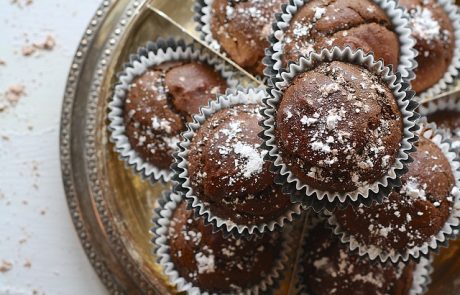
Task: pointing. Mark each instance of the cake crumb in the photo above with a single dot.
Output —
(5, 266)
(27, 264)
(48, 44)
(14, 93)
(2, 62)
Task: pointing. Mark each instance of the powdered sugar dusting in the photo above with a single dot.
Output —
(253, 158)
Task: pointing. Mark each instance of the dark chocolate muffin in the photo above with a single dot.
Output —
(227, 168)
(241, 28)
(338, 127)
(330, 269)
(356, 23)
(448, 121)
(413, 213)
(216, 264)
(161, 101)
(435, 41)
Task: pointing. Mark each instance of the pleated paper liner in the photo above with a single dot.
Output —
(154, 53)
(449, 231)
(183, 187)
(315, 198)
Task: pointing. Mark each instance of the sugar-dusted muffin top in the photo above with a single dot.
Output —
(227, 169)
(356, 23)
(435, 41)
(241, 28)
(413, 213)
(217, 264)
(160, 102)
(448, 121)
(329, 268)
(338, 127)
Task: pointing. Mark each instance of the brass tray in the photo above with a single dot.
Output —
(110, 206)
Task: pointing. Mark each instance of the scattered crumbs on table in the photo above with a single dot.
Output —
(27, 263)
(2, 62)
(5, 137)
(12, 96)
(5, 266)
(21, 3)
(47, 44)
(43, 211)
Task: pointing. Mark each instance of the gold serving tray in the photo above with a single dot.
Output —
(110, 206)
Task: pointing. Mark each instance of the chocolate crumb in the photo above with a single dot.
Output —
(5, 266)
(27, 264)
(48, 44)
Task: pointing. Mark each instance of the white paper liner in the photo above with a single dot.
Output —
(203, 18)
(203, 14)
(162, 220)
(398, 18)
(154, 53)
(231, 98)
(448, 232)
(452, 74)
(448, 103)
(317, 199)
(421, 275)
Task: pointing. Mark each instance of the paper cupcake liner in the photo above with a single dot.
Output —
(450, 78)
(448, 232)
(317, 199)
(398, 18)
(202, 17)
(447, 103)
(421, 275)
(153, 53)
(162, 220)
(180, 167)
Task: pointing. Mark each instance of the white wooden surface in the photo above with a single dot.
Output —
(36, 233)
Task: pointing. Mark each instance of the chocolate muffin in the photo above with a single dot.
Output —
(227, 168)
(356, 23)
(330, 269)
(241, 28)
(435, 41)
(159, 103)
(448, 121)
(216, 264)
(413, 213)
(338, 127)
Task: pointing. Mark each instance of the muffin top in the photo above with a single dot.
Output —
(159, 103)
(330, 268)
(412, 213)
(227, 168)
(356, 23)
(217, 264)
(338, 127)
(241, 28)
(435, 41)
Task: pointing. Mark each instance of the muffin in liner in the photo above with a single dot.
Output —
(162, 220)
(301, 192)
(154, 53)
(450, 103)
(421, 274)
(448, 81)
(180, 167)
(448, 232)
(203, 17)
(273, 57)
